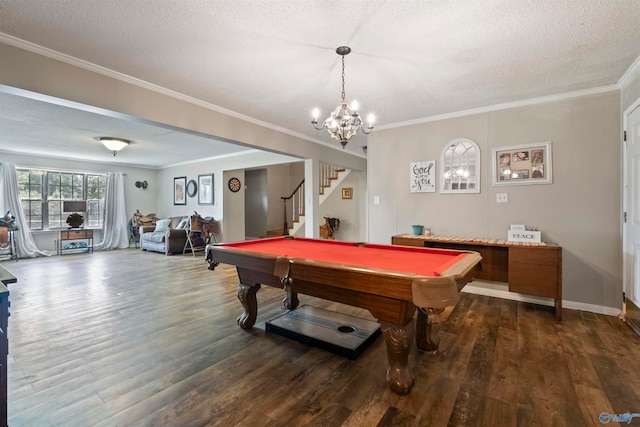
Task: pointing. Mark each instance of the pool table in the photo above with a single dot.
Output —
(388, 281)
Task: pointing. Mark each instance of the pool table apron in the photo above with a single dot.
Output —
(389, 297)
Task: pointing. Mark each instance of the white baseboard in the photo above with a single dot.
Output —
(491, 289)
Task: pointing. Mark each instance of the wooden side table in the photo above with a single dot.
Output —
(75, 240)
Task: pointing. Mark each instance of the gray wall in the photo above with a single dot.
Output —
(281, 181)
(580, 211)
(256, 203)
(228, 207)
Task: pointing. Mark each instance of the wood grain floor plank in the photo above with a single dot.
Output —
(132, 338)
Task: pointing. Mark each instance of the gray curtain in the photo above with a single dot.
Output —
(115, 234)
(10, 200)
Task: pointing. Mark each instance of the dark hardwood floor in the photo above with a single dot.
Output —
(131, 338)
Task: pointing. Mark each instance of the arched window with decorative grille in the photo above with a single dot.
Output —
(460, 167)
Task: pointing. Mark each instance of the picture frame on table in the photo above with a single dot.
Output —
(522, 164)
(205, 187)
(180, 190)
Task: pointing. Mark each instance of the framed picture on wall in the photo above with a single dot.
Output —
(180, 190)
(347, 193)
(522, 164)
(205, 187)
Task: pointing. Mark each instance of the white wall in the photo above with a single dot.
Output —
(580, 211)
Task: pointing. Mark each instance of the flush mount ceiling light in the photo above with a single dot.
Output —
(344, 121)
(113, 144)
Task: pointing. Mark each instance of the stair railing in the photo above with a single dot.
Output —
(297, 206)
(328, 173)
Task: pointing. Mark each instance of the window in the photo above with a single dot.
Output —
(43, 191)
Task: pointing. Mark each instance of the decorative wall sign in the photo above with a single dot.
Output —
(179, 190)
(522, 164)
(205, 186)
(422, 176)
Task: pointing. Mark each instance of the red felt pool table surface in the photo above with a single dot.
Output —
(388, 281)
(422, 261)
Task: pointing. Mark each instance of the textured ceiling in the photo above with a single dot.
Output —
(275, 60)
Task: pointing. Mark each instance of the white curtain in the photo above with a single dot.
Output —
(115, 234)
(10, 200)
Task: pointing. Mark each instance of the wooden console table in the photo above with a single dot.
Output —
(529, 268)
(83, 239)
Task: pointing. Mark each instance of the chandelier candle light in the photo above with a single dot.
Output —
(344, 121)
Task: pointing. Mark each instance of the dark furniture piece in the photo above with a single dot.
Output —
(5, 279)
(531, 269)
(75, 240)
(389, 281)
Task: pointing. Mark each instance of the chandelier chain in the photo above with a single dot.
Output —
(343, 95)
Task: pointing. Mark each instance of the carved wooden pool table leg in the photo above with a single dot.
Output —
(247, 297)
(398, 340)
(290, 300)
(424, 322)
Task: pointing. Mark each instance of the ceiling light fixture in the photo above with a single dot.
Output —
(344, 121)
(113, 144)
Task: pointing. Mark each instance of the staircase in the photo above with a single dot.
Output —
(330, 178)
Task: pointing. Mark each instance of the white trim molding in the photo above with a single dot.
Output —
(499, 291)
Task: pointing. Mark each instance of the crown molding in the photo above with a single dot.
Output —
(630, 74)
(504, 106)
(40, 50)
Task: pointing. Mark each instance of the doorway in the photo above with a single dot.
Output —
(631, 223)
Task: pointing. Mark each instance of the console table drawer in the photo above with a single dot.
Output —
(76, 234)
(535, 256)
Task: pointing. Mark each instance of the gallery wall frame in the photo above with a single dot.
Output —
(205, 187)
(192, 188)
(524, 164)
(180, 190)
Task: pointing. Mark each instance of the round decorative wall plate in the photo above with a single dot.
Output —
(234, 184)
(192, 188)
